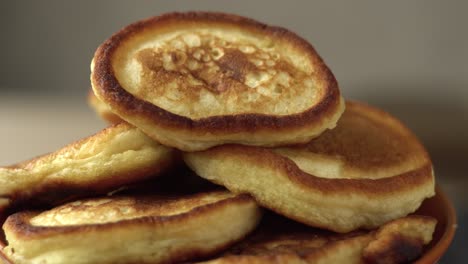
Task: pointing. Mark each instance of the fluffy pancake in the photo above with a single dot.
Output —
(280, 241)
(102, 109)
(195, 80)
(367, 171)
(131, 229)
(118, 155)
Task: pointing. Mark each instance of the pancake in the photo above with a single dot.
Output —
(198, 79)
(280, 241)
(102, 110)
(116, 156)
(131, 229)
(367, 171)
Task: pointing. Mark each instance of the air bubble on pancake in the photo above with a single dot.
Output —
(167, 62)
(283, 78)
(270, 45)
(263, 91)
(178, 58)
(257, 63)
(192, 40)
(251, 81)
(178, 44)
(188, 67)
(206, 58)
(198, 54)
(277, 88)
(275, 56)
(217, 53)
(247, 49)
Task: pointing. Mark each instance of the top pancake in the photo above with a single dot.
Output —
(213, 78)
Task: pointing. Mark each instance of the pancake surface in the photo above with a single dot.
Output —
(278, 240)
(131, 229)
(116, 156)
(367, 171)
(196, 80)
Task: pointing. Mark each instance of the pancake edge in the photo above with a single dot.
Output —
(215, 130)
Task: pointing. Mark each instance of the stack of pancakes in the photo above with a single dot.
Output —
(280, 168)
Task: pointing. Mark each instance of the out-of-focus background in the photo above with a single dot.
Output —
(408, 57)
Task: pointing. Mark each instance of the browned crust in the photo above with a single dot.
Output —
(24, 163)
(110, 90)
(396, 247)
(330, 143)
(400, 249)
(58, 191)
(382, 186)
(391, 246)
(421, 174)
(19, 222)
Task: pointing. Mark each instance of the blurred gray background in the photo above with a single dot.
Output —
(408, 57)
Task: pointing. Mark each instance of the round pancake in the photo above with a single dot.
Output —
(102, 109)
(198, 79)
(368, 170)
(280, 241)
(131, 229)
(116, 156)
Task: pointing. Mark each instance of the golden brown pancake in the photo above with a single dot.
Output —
(116, 156)
(367, 171)
(278, 240)
(198, 79)
(131, 229)
(102, 109)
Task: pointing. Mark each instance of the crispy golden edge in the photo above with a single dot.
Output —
(391, 243)
(17, 227)
(356, 158)
(370, 187)
(269, 159)
(400, 241)
(59, 190)
(18, 223)
(108, 88)
(365, 188)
